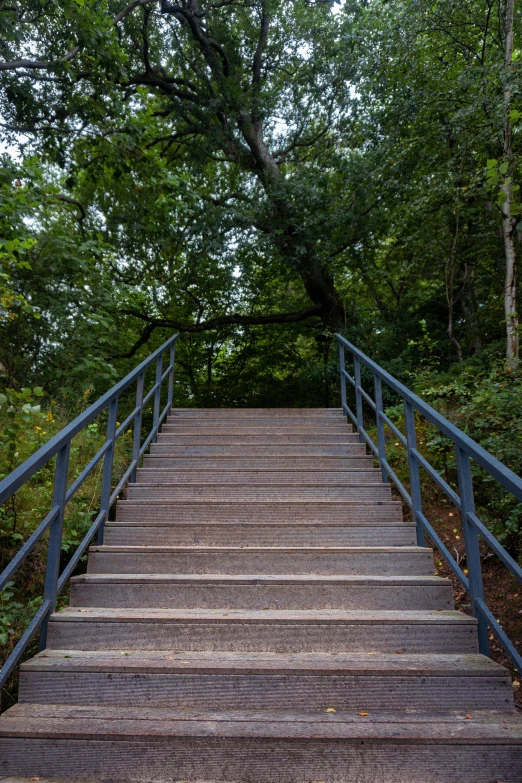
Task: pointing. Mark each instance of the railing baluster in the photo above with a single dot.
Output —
(54, 547)
(381, 438)
(413, 469)
(170, 392)
(358, 396)
(136, 444)
(107, 467)
(471, 539)
(343, 378)
(59, 447)
(157, 398)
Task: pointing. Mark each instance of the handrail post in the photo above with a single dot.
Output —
(54, 546)
(136, 444)
(107, 467)
(343, 378)
(471, 540)
(413, 469)
(381, 437)
(358, 396)
(170, 391)
(157, 398)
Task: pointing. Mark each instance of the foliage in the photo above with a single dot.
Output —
(25, 426)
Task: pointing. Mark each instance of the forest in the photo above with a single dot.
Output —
(258, 175)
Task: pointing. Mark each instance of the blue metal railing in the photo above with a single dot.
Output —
(59, 447)
(466, 450)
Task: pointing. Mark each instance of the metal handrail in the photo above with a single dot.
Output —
(466, 449)
(59, 447)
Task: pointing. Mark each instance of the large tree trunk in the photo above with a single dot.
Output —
(510, 305)
(300, 252)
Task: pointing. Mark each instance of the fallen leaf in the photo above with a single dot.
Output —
(67, 656)
(170, 658)
(122, 652)
(364, 714)
(398, 652)
(35, 778)
(85, 610)
(457, 538)
(371, 653)
(469, 717)
(516, 683)
(450, 514)
(330, 709)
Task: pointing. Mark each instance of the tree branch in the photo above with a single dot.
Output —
(45, 64)
(38, 64)
(263, 37)
(213, 323)
(73, 201)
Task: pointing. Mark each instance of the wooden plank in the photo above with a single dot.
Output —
(299, 692)
(259, 560)
(155, 532)
(312, 664)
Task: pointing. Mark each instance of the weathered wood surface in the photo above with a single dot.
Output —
(333, 512)
(261, 592)
(260, 613)
(251, 534)
(260, 560)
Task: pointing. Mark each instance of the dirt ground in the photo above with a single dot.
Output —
(502, 591)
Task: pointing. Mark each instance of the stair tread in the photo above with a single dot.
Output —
(272, 616)
(320, 523)
(395, 504)
(264, 549)
(244, 482)
(320, 664)
(68, 722)
(259, 579)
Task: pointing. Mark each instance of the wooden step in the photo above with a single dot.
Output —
(412, 561)
(305, 682)
(239, 413)
(257, 427)
(266, 630)
(250, 440)
(269, 450)
(220, 591)
(246, 492)
(144, 744)
(281, 464)
(264, 478)
(252, 534)
(383, 512)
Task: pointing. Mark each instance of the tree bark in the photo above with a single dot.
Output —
(510, 290)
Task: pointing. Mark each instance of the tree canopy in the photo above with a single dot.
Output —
(257, 173)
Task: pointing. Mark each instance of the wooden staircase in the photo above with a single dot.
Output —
(260, 613)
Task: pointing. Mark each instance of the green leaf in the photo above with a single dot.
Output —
(492, 162)
(503, 168)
